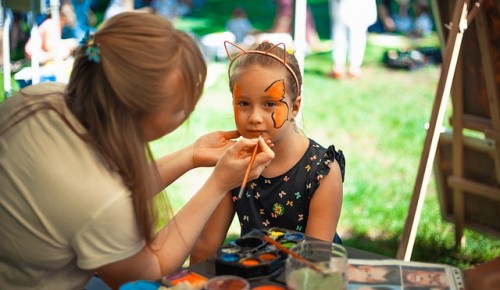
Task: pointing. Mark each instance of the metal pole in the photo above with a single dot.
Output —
(54, 12)
(7, 86)
(300, 43)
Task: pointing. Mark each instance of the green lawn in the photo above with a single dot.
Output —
(379, 123)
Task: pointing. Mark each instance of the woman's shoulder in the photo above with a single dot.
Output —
(29, 96)
(44, 88)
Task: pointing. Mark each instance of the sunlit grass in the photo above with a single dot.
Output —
(379, 122)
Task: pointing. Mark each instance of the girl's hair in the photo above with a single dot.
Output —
(139, 54)
(249, 59)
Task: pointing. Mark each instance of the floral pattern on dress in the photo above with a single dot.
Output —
(283, 201)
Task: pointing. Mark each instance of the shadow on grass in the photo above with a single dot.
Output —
(423, 250)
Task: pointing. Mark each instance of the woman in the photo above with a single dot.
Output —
(75, 166)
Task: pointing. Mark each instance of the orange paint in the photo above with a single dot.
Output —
(267, 257)
(269, 287)
(277, 92)
(236, 99)
(250, 262)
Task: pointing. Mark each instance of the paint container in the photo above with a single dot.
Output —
(250, 243)
(295, 236)
(249, 262)
(288, 244)
(193, 279)
(229, 257)
(266, 256)
(227, 282)
(230, 249)
(254, 259)
(276, 233)
(251, 256)
(269, 287)
(140, 285)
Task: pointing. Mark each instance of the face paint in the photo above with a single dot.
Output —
(236, 100)
(277, 91)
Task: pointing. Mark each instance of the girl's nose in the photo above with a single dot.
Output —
(256, 116)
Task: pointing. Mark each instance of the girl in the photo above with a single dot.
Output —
(301, 189)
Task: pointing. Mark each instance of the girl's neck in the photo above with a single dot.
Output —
(288, 151)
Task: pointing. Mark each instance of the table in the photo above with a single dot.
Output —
(207, 268)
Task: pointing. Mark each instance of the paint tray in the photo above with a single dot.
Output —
(251, 256)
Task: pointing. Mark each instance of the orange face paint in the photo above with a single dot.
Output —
(277, 92)
(236, 97)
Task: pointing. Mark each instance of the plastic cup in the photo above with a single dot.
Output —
(330, 271)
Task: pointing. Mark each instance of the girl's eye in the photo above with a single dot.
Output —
(243, 104)
(270, 104)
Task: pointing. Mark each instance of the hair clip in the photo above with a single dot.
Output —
(92, 51)
(267, 53)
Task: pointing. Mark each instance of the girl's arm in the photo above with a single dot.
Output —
(174, 242)
(204, 152)
(325, 207)
(215, 232)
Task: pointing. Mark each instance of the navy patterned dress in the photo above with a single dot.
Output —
(283, 201)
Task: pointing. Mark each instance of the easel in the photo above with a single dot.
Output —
(468, 167)
(462, 17)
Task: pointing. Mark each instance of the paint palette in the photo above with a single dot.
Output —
(251, 256)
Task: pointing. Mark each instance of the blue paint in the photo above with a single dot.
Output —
(229, 257)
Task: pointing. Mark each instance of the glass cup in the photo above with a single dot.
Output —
(227, 282)
(328, 270)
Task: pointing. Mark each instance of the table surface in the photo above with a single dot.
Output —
(207, 268)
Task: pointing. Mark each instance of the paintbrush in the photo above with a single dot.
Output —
(292, 253)
(245, 179)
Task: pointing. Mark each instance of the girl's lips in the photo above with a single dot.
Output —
(254, 134)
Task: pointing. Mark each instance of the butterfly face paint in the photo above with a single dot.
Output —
(277, 92)
(260, 106)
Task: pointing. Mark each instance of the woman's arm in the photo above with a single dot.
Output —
(325, 207)
(174, 242)
(215, 231)
(204, 152)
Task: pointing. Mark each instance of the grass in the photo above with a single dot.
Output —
(378, 121)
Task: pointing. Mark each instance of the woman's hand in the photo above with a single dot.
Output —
(209, 148)
(231, 167)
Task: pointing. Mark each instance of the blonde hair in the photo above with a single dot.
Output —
(139, 54)
(250, 58)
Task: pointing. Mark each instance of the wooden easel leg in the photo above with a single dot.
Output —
(437, 115)
(459, 213)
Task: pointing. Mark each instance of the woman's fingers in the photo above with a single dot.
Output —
(264, 156)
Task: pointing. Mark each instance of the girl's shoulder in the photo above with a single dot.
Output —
(326, 155)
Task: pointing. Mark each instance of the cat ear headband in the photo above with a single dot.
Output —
(266, 53)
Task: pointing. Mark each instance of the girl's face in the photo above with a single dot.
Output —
(261, 104)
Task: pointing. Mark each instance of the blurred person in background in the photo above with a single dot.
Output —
(349, 21)
(47, 43)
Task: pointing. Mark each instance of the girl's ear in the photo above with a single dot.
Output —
(296, 106)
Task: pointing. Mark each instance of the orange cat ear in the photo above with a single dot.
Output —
(226, 43)
(283, 58)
